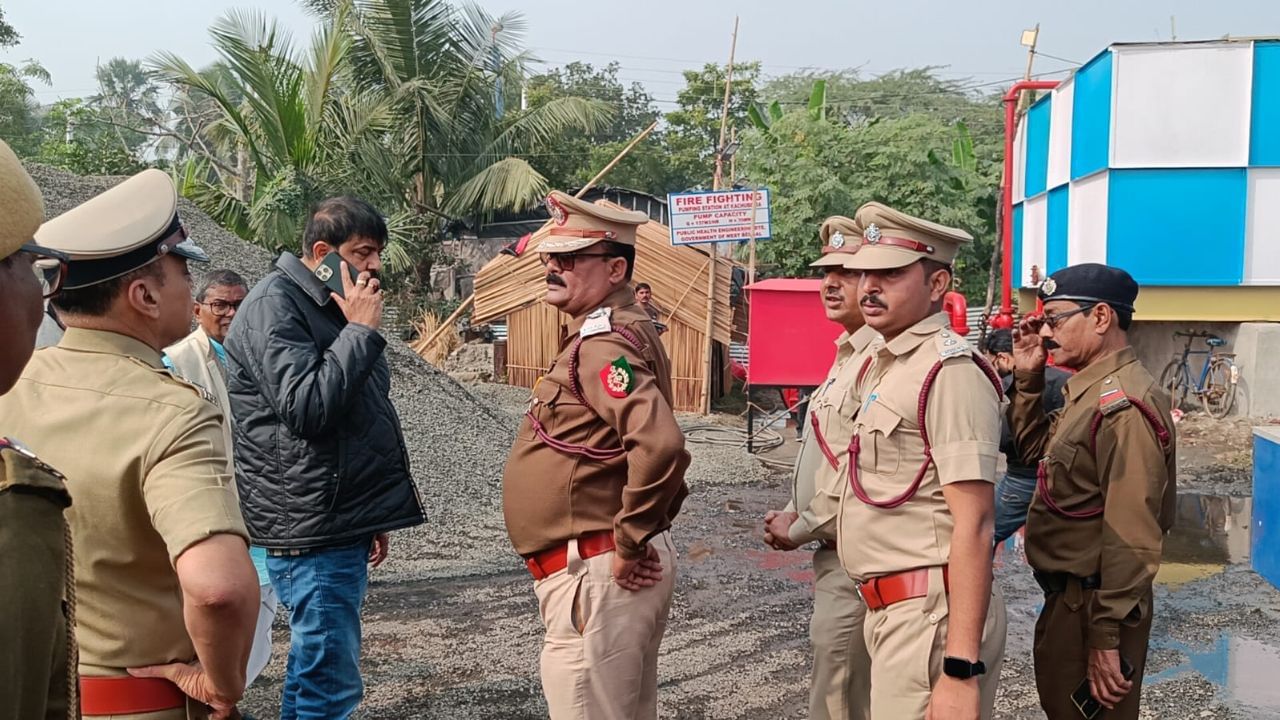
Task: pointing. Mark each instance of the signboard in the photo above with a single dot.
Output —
(723, 216)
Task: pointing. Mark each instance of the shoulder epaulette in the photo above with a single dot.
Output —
(1112, 398)
(951, 345)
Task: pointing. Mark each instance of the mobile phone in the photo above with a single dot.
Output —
(1084, 701)
(328, 270)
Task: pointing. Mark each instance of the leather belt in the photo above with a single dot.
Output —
(1056, 582)
(881, 592)
(547, 562)
(126, 695)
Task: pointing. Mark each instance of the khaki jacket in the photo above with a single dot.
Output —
(549, 496)
(1126, 471)
(963, 422)
(815, 484)
(37, 672)
(145, 460)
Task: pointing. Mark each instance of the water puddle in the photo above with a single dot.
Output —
(1210, 532)
(1245, 670)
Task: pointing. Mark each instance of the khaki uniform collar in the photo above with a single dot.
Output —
(1097, 370)
(915, 336)
(110, 343)
(861, 338)
(622, 298)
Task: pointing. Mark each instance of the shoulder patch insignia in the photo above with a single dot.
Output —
(1112, 401)
(950, 345)
(618, 378)
(597, 323)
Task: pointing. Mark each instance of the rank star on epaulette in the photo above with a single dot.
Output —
(618, 378)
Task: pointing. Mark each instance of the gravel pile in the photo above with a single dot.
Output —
(457, 443)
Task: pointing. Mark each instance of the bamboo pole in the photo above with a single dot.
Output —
(612, 163)
(715, 247)
(447, 323)
(687, 288)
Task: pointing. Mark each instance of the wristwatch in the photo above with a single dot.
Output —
(963, 669)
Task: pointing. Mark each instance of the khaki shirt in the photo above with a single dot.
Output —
(815, 485)
(550, 497)
(145, 460)
(963, 422)
(36, 672)
(1128, 473)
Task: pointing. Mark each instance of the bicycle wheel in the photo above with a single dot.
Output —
(1219, 393)
(1174, 381)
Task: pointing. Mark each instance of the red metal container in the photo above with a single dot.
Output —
(790, 341)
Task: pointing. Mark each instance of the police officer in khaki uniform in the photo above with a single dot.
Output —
(167, 596)
(37, 628)
(915, 523)
(1106, 490)
(840, 687)
(596, 475)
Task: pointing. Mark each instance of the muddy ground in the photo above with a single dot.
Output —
(465, 645)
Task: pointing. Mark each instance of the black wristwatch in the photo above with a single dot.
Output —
(963, 669)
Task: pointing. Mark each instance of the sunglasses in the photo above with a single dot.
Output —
(567, 261)
(1053, 321)
(50, 267)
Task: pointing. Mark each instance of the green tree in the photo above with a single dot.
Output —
(817, 168)
(75, 138)
(693, 130)
(9, 37)
(19, 124)
(572, 159)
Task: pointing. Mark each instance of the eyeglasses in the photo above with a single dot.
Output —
(222, 308)
(1053, 321)
(50, 267)
(566, 261)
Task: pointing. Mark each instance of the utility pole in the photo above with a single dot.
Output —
(1029, 39)
(714, 251)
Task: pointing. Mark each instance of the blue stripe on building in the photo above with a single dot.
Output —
(1091, 117)
(1037, 153)
(1178, 227)
(1056, 235)
(1264, 131)
(1017, 246)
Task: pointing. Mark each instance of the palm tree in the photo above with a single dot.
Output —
(396, 100)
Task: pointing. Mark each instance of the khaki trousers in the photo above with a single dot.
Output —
(1062, 652)
(907, 642)
(841, 686)
(600, 652)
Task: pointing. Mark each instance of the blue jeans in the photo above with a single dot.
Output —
(323, 591)
(1013, 497)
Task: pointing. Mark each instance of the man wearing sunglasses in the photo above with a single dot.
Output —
(166, 595)
(596, 475)
(37, 677)
(1105, 490)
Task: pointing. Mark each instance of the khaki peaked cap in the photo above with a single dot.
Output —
(841, 238)
(893, 239)
(577, 224)
(21, 206)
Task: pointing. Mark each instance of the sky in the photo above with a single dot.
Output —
(652, 41)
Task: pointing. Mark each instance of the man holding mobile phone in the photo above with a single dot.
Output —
(321, 462)
(1105, 491)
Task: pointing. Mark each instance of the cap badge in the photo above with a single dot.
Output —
(1049, 286)
(557, 211)
(837, 240)
(871, 234)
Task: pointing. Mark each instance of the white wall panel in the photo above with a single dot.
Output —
(1087, 220)
(1182, 106)
(1035, 231)
(1020, 162)
(1060, 135)
(1262, 228)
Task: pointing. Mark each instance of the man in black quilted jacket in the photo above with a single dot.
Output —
(322, 468)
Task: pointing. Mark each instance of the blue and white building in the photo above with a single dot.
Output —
(1164, 159)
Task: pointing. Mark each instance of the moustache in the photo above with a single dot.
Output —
(874, 300)
(1050, 345)
(554, 279)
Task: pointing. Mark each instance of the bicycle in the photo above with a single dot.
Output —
(1216, 386)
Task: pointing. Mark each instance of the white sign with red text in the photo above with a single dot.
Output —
(723, 216)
